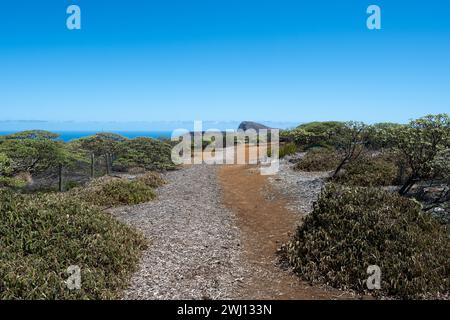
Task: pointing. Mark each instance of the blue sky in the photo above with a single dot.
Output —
(224, 60)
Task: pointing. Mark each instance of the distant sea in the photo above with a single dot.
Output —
(72, 135)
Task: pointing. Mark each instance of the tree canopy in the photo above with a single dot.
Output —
(36, 151)
(421, 142)
(146, 153)
(102, 143)
(32, 134)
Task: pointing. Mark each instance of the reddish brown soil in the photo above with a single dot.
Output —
(265, 224)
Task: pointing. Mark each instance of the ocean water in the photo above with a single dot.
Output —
(72, 135)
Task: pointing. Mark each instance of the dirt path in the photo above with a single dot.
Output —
(264, 223)
(214, 233)
(194, 250)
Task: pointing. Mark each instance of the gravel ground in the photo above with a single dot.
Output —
(195, 249)
(195, 245)
(301, 188)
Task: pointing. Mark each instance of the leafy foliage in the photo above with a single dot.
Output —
(377, 132)
(420, 143)
(318, 159)
(326, 128)
(146, 153)
(369, 171)
(441, 165)
(102, 143)
(152, 179)
(287, 149)
(313, 134)
(350, 143)
(5, 165)
(353, 227)
(33, 135)
(347, 140)
(42, 235)
(31, 155)
(114, 192)
(6, 170)
(36, 151)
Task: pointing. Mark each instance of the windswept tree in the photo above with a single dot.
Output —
(33, 135)
(350, 142)
(31, 155)
(146, 153)
(441, 171)
(422, 142)
(102, 145)
(37, 151)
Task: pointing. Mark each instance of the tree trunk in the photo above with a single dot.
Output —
(339, 167)
(92, 166)
(60, 180)
(407, 186)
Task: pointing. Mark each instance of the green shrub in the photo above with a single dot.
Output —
(377, 138)
(69, 185)
(5, 165)
(115, 192)
(42, 235)
(369, 171)
(421, 143)
(318, 159)
(152, 179)
(353, 227)
(6, 174)
(313, 134)
(287, 149)
(12, 182)
(147, 153)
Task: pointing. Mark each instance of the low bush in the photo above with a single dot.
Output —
(147, 153)
(114, 192)
(369, 171)
(42, 235)
(318, 159)
(152, 179)
(287, 149)
(352, 228)
(135, 170)
(69, 185)
(313, 134)
(12, 182)
(6, 167)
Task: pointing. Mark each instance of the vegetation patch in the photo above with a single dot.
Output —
(108, 192)
(318, 159)
(369, 171)
(152, 179)
(313, 134)
(287, 149)
(146, 153)
(352, 228)
(42, 235)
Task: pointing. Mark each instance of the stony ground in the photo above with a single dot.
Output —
(301, 188)
(214, 234)
(195, 244)
(265, 224)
